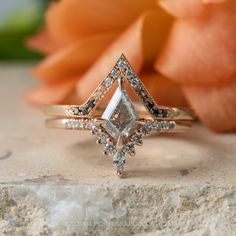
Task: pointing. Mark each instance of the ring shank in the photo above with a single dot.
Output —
(63, 111)
(86, 124)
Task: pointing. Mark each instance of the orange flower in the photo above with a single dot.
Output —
(83, 39)
(172, 44)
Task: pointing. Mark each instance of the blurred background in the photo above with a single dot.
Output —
(19, 19)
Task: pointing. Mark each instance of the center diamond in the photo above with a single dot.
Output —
(120, 116)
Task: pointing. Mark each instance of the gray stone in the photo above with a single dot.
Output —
(120, 115)
(53, 206)
(55, 182)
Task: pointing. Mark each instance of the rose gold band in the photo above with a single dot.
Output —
(88, 124)
(66, 111)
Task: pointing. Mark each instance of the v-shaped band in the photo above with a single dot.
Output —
(122, 69)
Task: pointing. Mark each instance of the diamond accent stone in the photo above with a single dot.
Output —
(160, 112)
(157, 125)
(89, 125)
(85, 111)
(108, 82)
(71, 124)
(80, 123)
(76, 110)
(147, 127)
(110, 150)
(90, 104)
(115, 74)
(129, 73)
(166, 125)
(120, 116)
(129, 149)
(95, 129)
(135, 82)
(136, 139)
(103, 138)
(119, 161)
(121, 64)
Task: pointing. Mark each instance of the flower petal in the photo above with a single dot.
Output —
(202, 51)
(69, 20)
(185, 8)
(182, 8)
(51, 93)
(140, 43)
(214, 106)
(73, 59)
(42, 42)
(164, 91)
(213, 1)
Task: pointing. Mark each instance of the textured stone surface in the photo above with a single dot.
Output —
(56, 207)
(55, 182)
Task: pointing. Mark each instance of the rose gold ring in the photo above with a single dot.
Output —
(121, 124)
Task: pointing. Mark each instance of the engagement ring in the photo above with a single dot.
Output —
(121, 124)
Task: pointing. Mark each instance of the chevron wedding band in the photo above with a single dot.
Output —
(122, 124)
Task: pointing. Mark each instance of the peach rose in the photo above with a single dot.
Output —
(184, 51)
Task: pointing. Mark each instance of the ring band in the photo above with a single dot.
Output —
(122, 124)
(90, 124)
(72, 111)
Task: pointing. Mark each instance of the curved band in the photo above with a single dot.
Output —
(63, 111)
(90, 124)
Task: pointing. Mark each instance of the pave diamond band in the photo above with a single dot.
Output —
(146, 126)
(118, 147)
(122, 124)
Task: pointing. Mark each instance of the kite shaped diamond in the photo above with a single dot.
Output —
(120, 116)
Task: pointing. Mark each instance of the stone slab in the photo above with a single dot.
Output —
(55, 182)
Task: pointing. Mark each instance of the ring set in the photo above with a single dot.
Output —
(121, 124)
